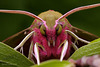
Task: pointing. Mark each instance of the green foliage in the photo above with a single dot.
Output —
(4, 64)
(92, 48)
(11, 58)
(55, 63)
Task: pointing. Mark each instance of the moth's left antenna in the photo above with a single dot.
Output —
(25, 13)
(78, 9)
(22, 12)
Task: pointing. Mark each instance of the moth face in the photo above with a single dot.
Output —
(50, 40)
(50, 36)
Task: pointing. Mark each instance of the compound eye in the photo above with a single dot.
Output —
(43, 30)
(58, 29)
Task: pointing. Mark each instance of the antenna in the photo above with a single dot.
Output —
(77, 9)
(25, 13)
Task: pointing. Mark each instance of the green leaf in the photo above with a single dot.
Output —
(97, 40)
(3, 64)
(55, 63)
(11, 57)
(92, 48)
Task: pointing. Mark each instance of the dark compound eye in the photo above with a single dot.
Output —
(58, 29)
(40, 24)
(43, 29)
(61, 24)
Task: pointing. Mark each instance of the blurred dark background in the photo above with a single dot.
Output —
(10, 24)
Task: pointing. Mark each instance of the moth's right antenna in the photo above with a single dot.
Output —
(25, 13)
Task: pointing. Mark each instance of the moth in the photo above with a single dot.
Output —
(50, 36)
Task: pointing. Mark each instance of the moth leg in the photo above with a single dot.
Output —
(61, 44)
(76, 37)
(76, 41)
(24, 40)
(21, 50)
(30, 50)
(64, 50)
(74, 46)
(36, 52)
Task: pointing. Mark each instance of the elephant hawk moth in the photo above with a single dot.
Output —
(50, 36)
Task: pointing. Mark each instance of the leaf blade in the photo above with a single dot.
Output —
(92, 48)
(9, 55)
(4, 64)
(55, 63)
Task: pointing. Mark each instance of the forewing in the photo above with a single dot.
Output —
(84, 34)
(81, 34)
(15, 39)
